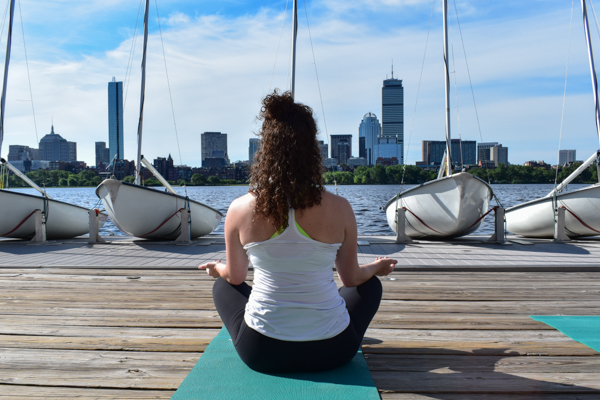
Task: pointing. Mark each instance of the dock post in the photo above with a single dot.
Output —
(94, 228)
(185, 237)
(40, 227)
(401, 236)
(560, 235)
(499, 235)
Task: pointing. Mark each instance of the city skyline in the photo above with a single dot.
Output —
(517, 56)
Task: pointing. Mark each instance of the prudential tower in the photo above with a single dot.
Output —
(392, 114)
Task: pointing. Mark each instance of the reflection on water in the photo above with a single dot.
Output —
(366, 201)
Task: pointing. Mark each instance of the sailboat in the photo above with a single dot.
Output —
(62, 220)
(451, 205)
(582, 217)
(146, 212)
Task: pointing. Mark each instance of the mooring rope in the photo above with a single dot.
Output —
(580, 220)
(164, 222)
(20, 223)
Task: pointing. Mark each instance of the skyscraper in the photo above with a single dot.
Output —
(102, 154)
(115, 120)
(324, 148)
(214, 145)
(253, 148)
(392, 113)
(341, 147)
(368, 131)
(566, 156)
(492, 151)
(54, 148)
(463, 152)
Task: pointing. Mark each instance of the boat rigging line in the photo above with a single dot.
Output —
(4, 19)
(168, 83)
(412, 125)
(470, 82)
(562, 116)
(28, 77)
(131, 54)
(462, 164)
(278, 43)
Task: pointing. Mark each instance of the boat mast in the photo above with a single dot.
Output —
(594, 157)
(294, 34)
(447, 89)
(6, 62)
(586, 28)
(138, 178)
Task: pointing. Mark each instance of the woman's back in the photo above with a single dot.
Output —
(324, 223)
(294, 296)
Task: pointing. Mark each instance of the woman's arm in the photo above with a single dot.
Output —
(351, 274)
(235, 270)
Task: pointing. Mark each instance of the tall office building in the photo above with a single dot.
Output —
(492, 152)
(115, 120)
(324, 148)
(499, 155)
(341, 148)
(368, 132)
(214, 149)
(18, 152)
(387, 150)
(102, 154)
(566, 156)
(54, 148)
(483, 150)
(253, 146)
(392, 113)
(463, 152)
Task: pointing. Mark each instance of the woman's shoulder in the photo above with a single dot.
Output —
(332, 203)
(243, 204)
(333, 200)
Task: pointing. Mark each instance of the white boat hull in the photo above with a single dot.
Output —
(536, 218)
(63, 221)
(444, 208)
(149, 213)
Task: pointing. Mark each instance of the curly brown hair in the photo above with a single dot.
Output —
(287, 168)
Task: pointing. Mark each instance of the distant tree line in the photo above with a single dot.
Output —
(45, 178)
(377, 174)
(412, 174)
(56, 178)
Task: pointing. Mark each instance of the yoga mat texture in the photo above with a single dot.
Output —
(219, 374)
(584, 329)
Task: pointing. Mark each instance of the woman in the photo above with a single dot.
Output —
(294, 318)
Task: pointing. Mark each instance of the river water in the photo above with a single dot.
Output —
(366, 201)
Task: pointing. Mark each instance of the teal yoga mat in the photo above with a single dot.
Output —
(584, 329)
(219, 374)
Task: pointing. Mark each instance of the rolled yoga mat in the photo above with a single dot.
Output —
(584, 329)
(220, 374)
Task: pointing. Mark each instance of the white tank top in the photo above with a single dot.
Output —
(294, 296)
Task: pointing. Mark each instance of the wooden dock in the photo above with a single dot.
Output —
(128, 320)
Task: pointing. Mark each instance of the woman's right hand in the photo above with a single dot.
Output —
(385, 265)
(212, 268)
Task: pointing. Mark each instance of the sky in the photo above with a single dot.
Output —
(224, 56)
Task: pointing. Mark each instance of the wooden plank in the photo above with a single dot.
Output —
(536, 384)
(467, 348)
(18, 392)
(135, 343)
(455, 361)
(117, 369)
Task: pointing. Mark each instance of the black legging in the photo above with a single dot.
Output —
(266, 354)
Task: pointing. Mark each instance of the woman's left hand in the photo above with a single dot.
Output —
(212, 268)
